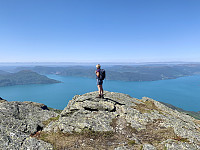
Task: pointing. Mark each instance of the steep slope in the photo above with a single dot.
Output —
(121, 122)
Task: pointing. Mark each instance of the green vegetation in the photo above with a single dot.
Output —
(147, 107)
(178, 138)
(141, 148)
(95, 134)
(131, 142)
(87, 139)
(24, 77)
(50, 120)
(124, 72)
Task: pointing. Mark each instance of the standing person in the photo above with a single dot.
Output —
(99, 81)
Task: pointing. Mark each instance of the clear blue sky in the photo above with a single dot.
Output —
(99, 30)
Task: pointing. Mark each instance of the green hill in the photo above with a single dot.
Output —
(24, 77)
(124, 72)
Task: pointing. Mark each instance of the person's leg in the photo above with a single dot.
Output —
(98, 87)
(101, 90)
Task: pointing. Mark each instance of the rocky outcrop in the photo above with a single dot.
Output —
(19, 121)
(115, 122)
(135, 123)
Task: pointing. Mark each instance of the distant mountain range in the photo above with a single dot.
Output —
(3, 72)
(124, 72)
(24, 77)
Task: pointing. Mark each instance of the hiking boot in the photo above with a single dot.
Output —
(102, 96)
(98, 96)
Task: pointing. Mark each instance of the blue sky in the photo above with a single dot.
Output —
(99, 30)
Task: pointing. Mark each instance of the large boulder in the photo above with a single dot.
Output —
(20, 120)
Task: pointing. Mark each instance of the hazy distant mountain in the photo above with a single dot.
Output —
(124, 72)
(3, 72)
(24, 77)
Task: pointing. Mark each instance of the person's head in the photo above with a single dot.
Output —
(98, 66)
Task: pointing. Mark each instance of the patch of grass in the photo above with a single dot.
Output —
(86, 139)
(141, 147)
(131, 142)
(95, 134)
(178, 138)
(147, 107)
(113, 123)
(154, 134)
(130, 129)
(128, 126)
(55, 138)
(45, 123)
(43, 136)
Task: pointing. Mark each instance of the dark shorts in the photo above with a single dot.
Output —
(99, 82)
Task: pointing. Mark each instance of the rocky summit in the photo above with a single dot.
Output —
(115, 122)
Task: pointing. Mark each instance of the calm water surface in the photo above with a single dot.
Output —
(182, 92)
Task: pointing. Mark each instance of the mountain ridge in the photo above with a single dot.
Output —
(124, 72)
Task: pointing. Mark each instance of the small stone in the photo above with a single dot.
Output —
(148, 147)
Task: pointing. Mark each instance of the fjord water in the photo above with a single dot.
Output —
(182, 92)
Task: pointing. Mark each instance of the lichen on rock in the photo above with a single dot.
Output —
(20, 120)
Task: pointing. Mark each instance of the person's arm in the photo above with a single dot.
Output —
(98, 74)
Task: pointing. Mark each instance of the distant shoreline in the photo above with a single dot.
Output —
(148, 72)
(91, 63)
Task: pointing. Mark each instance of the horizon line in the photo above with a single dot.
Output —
(105, 62)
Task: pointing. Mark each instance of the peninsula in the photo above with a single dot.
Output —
(24, 77)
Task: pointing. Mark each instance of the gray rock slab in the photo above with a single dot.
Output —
(18, 121)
